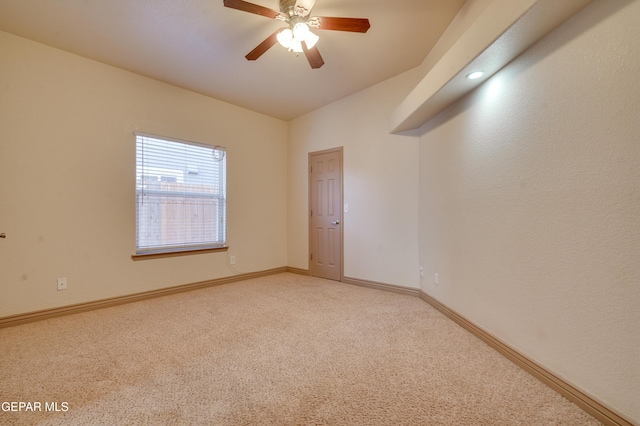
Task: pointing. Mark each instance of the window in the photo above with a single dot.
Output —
(180, 195)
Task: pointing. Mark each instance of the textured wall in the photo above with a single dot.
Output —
(529, 204)
(67, 179)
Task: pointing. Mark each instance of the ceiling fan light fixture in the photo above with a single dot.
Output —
(285, 38)
(311, 39)
(296, 45)
(300, 31)
(292, 39)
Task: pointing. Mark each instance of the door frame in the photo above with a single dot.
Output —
(340, 151)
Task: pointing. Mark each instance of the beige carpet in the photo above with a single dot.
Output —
(281, 350)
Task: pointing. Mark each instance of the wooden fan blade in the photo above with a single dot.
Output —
(313, 56)
(356, 25)
(251, 8)
(263, 47)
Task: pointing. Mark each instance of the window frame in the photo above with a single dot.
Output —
(183, 247)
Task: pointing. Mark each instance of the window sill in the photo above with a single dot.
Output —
(147, 256)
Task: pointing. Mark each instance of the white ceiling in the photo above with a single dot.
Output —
(200, 45)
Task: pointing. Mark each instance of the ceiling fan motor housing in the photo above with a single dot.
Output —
(288, 7)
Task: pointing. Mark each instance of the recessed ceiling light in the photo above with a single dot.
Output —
(474, 75)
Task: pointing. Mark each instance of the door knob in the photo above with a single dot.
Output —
(335, 222)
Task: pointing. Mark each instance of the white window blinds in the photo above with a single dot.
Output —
(180, 195)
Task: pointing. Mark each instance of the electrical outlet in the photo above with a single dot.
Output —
(62, 283)
(232, 260)
(421, 272)
(436, 278)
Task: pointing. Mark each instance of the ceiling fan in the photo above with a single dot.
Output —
(297, 37)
